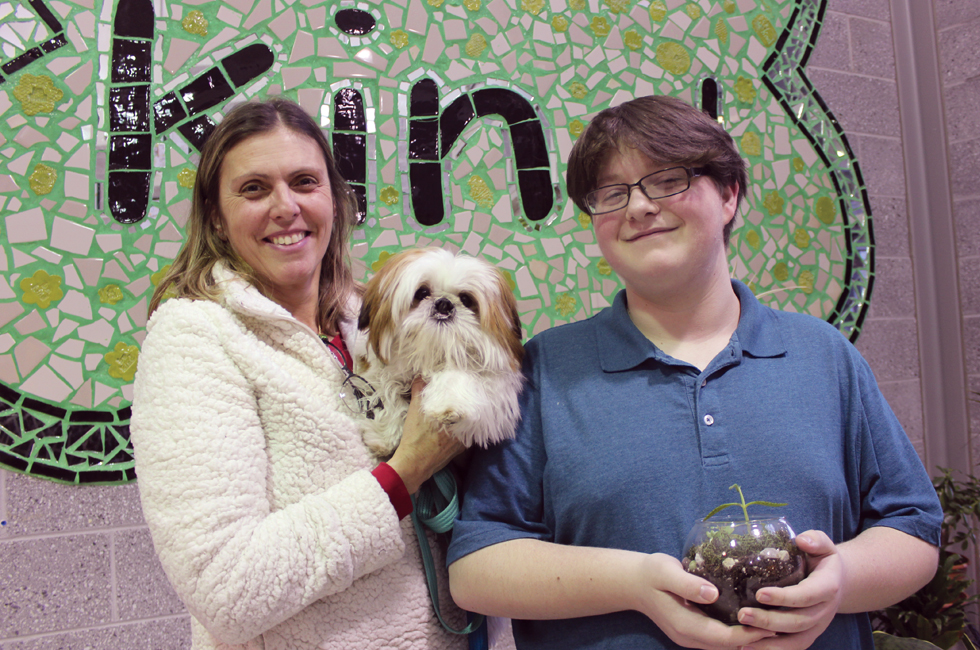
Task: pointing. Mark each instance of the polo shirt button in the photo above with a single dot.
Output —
(709, 420)
(704, 383)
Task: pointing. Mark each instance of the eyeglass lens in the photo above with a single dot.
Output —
(357, 394)
(657, 185)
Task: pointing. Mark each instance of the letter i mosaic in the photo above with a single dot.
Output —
(450, 118)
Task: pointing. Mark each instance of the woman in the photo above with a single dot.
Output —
(276, 526)
(685, 386)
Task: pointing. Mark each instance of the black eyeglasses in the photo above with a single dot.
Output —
(356, 393)
(658, 185)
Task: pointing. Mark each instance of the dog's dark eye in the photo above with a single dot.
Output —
(422, 294)
(468, 300)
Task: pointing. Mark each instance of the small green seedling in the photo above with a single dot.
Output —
(742, 504)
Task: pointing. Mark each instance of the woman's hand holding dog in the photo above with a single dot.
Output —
(423, 450)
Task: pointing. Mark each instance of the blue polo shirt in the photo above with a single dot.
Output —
(623, 446)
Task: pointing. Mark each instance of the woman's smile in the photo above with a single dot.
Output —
(287, 239)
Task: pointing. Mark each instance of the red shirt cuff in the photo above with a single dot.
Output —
(394, 487)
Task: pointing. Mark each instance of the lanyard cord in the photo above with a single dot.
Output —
(436, 506)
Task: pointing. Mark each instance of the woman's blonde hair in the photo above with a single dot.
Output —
(190, 275)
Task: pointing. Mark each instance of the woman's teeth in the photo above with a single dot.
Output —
(286, 240)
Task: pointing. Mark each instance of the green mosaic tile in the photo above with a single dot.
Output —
(452, 120)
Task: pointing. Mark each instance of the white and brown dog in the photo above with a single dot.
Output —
(451, 319)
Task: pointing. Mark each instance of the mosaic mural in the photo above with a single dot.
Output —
(451, 119)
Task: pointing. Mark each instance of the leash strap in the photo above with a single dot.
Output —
(479, 639)
(436, 507)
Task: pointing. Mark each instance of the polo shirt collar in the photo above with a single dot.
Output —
(757, 332)
(622, 346)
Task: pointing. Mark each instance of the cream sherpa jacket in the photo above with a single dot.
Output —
(257, 490)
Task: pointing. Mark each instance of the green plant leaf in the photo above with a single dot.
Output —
(937, 611)
(741, 504)
(885, 641)
(923, 627)
(719, 509)
(766, 503)
(948, 640)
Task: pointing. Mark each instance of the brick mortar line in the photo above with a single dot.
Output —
(11, 537)
(94, 628)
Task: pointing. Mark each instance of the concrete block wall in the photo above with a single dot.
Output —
(853, 68)
(77, 570)
(958, 36)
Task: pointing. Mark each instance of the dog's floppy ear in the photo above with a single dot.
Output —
(507, 320)
(518, 332)
(364, 318)
(372, 304)
(517, 347)
(509, 303)
(376, 306)
(371, 301)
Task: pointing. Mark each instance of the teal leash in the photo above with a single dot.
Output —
(436, 507)
(437, 502)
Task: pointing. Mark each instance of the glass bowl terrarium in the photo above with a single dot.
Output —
(741, 556)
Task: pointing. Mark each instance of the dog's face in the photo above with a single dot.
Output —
(440, 306)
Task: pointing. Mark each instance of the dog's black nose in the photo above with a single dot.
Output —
(444, 306)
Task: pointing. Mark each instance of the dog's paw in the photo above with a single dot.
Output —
(381, 443)
(382, 450)
(446, 417)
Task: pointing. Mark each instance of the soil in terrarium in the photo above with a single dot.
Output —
(770, 560)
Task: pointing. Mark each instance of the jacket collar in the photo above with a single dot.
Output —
(242, 297)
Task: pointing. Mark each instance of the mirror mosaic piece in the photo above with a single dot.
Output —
(450, 118)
